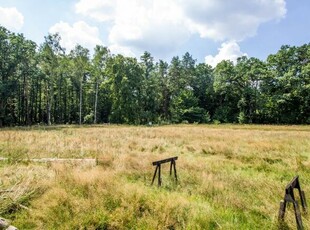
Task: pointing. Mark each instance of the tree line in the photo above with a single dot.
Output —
(44, 84)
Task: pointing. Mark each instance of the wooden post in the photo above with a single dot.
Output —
(298, 216)
(282, 210)
(159, 175)
(154, 174)
(303, 201)
(175, 171)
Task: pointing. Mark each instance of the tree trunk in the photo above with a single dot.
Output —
(39, 106)
(2, 113)
(48, 112)
(96, 102)
(49, 105)
(2, 107)
(81, 91)
(65, 104)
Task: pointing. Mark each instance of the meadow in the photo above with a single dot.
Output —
(230, 176)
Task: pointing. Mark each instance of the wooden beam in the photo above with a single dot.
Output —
(165, 160)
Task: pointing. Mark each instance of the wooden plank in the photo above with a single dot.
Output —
(294, 183)
(159, 175)
(165, 160)
(282, 210)
(175, 171)
(304, 202)
(298, 216)
(154, 175)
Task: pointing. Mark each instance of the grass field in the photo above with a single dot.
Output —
(230, 176)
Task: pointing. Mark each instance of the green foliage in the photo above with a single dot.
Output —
(242, 118)
(47, 85)
(89, 118)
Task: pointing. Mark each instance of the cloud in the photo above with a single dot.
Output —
(79, 33)
(226, 20)
(228, 51)
(155, 26)
(11, 18)
(162, 26)
(139, 25)
(116, 49)
(101, 10)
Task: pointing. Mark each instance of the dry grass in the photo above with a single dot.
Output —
(231, 177)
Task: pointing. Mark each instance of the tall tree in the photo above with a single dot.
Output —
(81, 71)
(288, 87)
(165, 94)
(27, 68)
(227, 92)
(150, 90)
(250, 72)
(8, 66)
(99, 60)
(202, 85)
(125, 76)
(50, 52)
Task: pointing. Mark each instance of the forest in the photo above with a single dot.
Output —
(44, 84)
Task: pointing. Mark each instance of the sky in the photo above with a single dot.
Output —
(210, 30)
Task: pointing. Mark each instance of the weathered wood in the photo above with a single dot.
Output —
(159, 175)
(282, 210)
(304, 202)
(158, 169)
(294, 183)
(165, 160)
(175, 171)
(298, 216)
(290, 197)
(5, 225)
(12, 228)
(154, 174)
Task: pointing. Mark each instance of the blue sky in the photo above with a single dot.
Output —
(210, 30)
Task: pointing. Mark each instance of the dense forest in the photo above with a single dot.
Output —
(46, 85)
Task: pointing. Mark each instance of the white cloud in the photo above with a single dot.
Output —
(227, 20)
(228, 51)
(116, 49)
(155, 26)
(162, 26)
(101, 10)
(79, 33)
(11, 18)
(139, 25)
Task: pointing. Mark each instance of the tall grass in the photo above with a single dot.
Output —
(230, 176)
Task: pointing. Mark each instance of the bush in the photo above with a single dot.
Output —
(88, 119)
(196, 114)
(242, 118)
